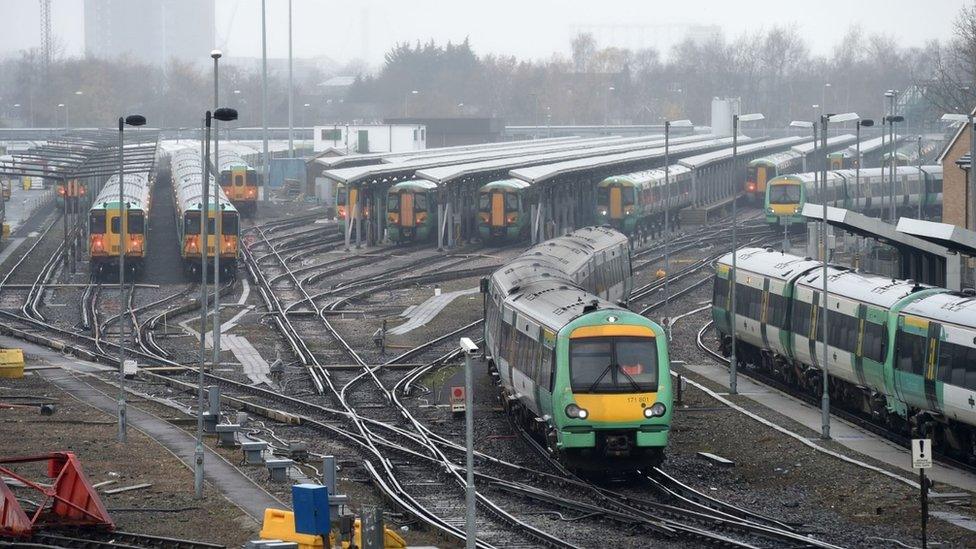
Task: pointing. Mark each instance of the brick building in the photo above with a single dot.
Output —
(957, 199)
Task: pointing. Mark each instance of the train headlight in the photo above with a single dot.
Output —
(603, 211)
(770, 210)
(575, 412)
(796, 209)
(512, 218)
(658, 409)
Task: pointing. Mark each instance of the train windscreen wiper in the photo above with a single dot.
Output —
(600, 378)
(633, 382)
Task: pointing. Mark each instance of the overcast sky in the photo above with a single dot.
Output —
(349, 29)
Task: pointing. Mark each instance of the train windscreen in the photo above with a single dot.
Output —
(784, 194)
(615, 364)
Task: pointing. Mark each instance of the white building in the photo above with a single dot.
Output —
(371, 138)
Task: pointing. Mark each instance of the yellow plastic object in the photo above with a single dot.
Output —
(280, 524)
(11, 363)
(27, 183)
(661, 273)
(6, 231)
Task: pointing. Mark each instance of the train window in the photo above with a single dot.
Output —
(503, 338)
(602, 196)
(613, 364)
(393, 202)
(957, 365)
(224, 178)
(238, 180)
(873, 343)
(720, 292)
(484, 202)
(191, 223)
(136, 223)
(628, 196)
(776, 310)
(96, 222)
(842, 331)
(784, 194)
(341, 196)
(420, 202)
(229, 223)
(252, 177)
(801, 318)
(911, 353)
(511, 201)
(116, 229)
(748, 301)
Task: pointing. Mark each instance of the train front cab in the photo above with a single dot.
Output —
(757, 175)
(615, 205)
(229, 241)
(240, 184)
(105, 235)
(500, 213)
(613, 395)
(409, 215)
(784, 201)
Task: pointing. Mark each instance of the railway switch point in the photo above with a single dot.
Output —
(278, 469)
(254, 452)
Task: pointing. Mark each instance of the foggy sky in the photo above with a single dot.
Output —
(349, 29)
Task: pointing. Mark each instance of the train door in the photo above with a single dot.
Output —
(406, 209)
(616, 200)
(497, 208)
(916, 354)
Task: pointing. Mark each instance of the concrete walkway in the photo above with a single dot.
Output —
(231, 482)
(425, 312)
(842, 432)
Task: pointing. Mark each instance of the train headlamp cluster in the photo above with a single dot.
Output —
(658, 409)
(575, 412)
(603, 211)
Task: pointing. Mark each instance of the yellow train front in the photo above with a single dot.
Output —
(240, 184)
(106, 228)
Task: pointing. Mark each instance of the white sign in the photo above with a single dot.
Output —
(921, 453)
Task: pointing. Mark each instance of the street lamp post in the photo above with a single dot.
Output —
(891, 120)
(291, 93)
(813, 157)
(736, 118)
(131, 120)
(823, 98)
(921, 178)
(971, 207)
(667, 213)
(825, 308)
(224, 115)
(866, 123)
(606, 109)
(407, 97)
(264, 101)
(218, 212)
(65, 107)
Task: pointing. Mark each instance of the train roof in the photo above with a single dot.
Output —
(769, 262)
(701, 160)
(187, 174)
(137, 189)
(834, 177)
(868, 288)
(947, 307)
(557, 259)
(516, 184)
(555, 304)
(836, 141)
(872, 145)
(543, 172)
(776, 159)
(415, 184)
(653, 177)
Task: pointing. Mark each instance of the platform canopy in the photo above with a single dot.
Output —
(952, 237)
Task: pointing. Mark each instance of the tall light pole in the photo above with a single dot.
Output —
(891, 120)
(866, 123)
(736, 118)
(405, 98)
(218, 211)
(264, 101)
(606, 108)
(667, 214)
(131, 120)
(65, 107)
(78, 93)
(823, 98)
(970, 221)
(921, 179)
(813, 156)
(224, 115)
(305, 108)
(291, 93)
(825, 308)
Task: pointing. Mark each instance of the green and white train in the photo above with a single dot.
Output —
(787, 194)
(901, 353)
(586, 376)
(638, 200)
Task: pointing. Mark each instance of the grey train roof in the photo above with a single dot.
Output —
(866, 288)
(947, 308)
(187, 173)
(137, 189)
(807, 148)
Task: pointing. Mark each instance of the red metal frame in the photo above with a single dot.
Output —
(73, 501)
